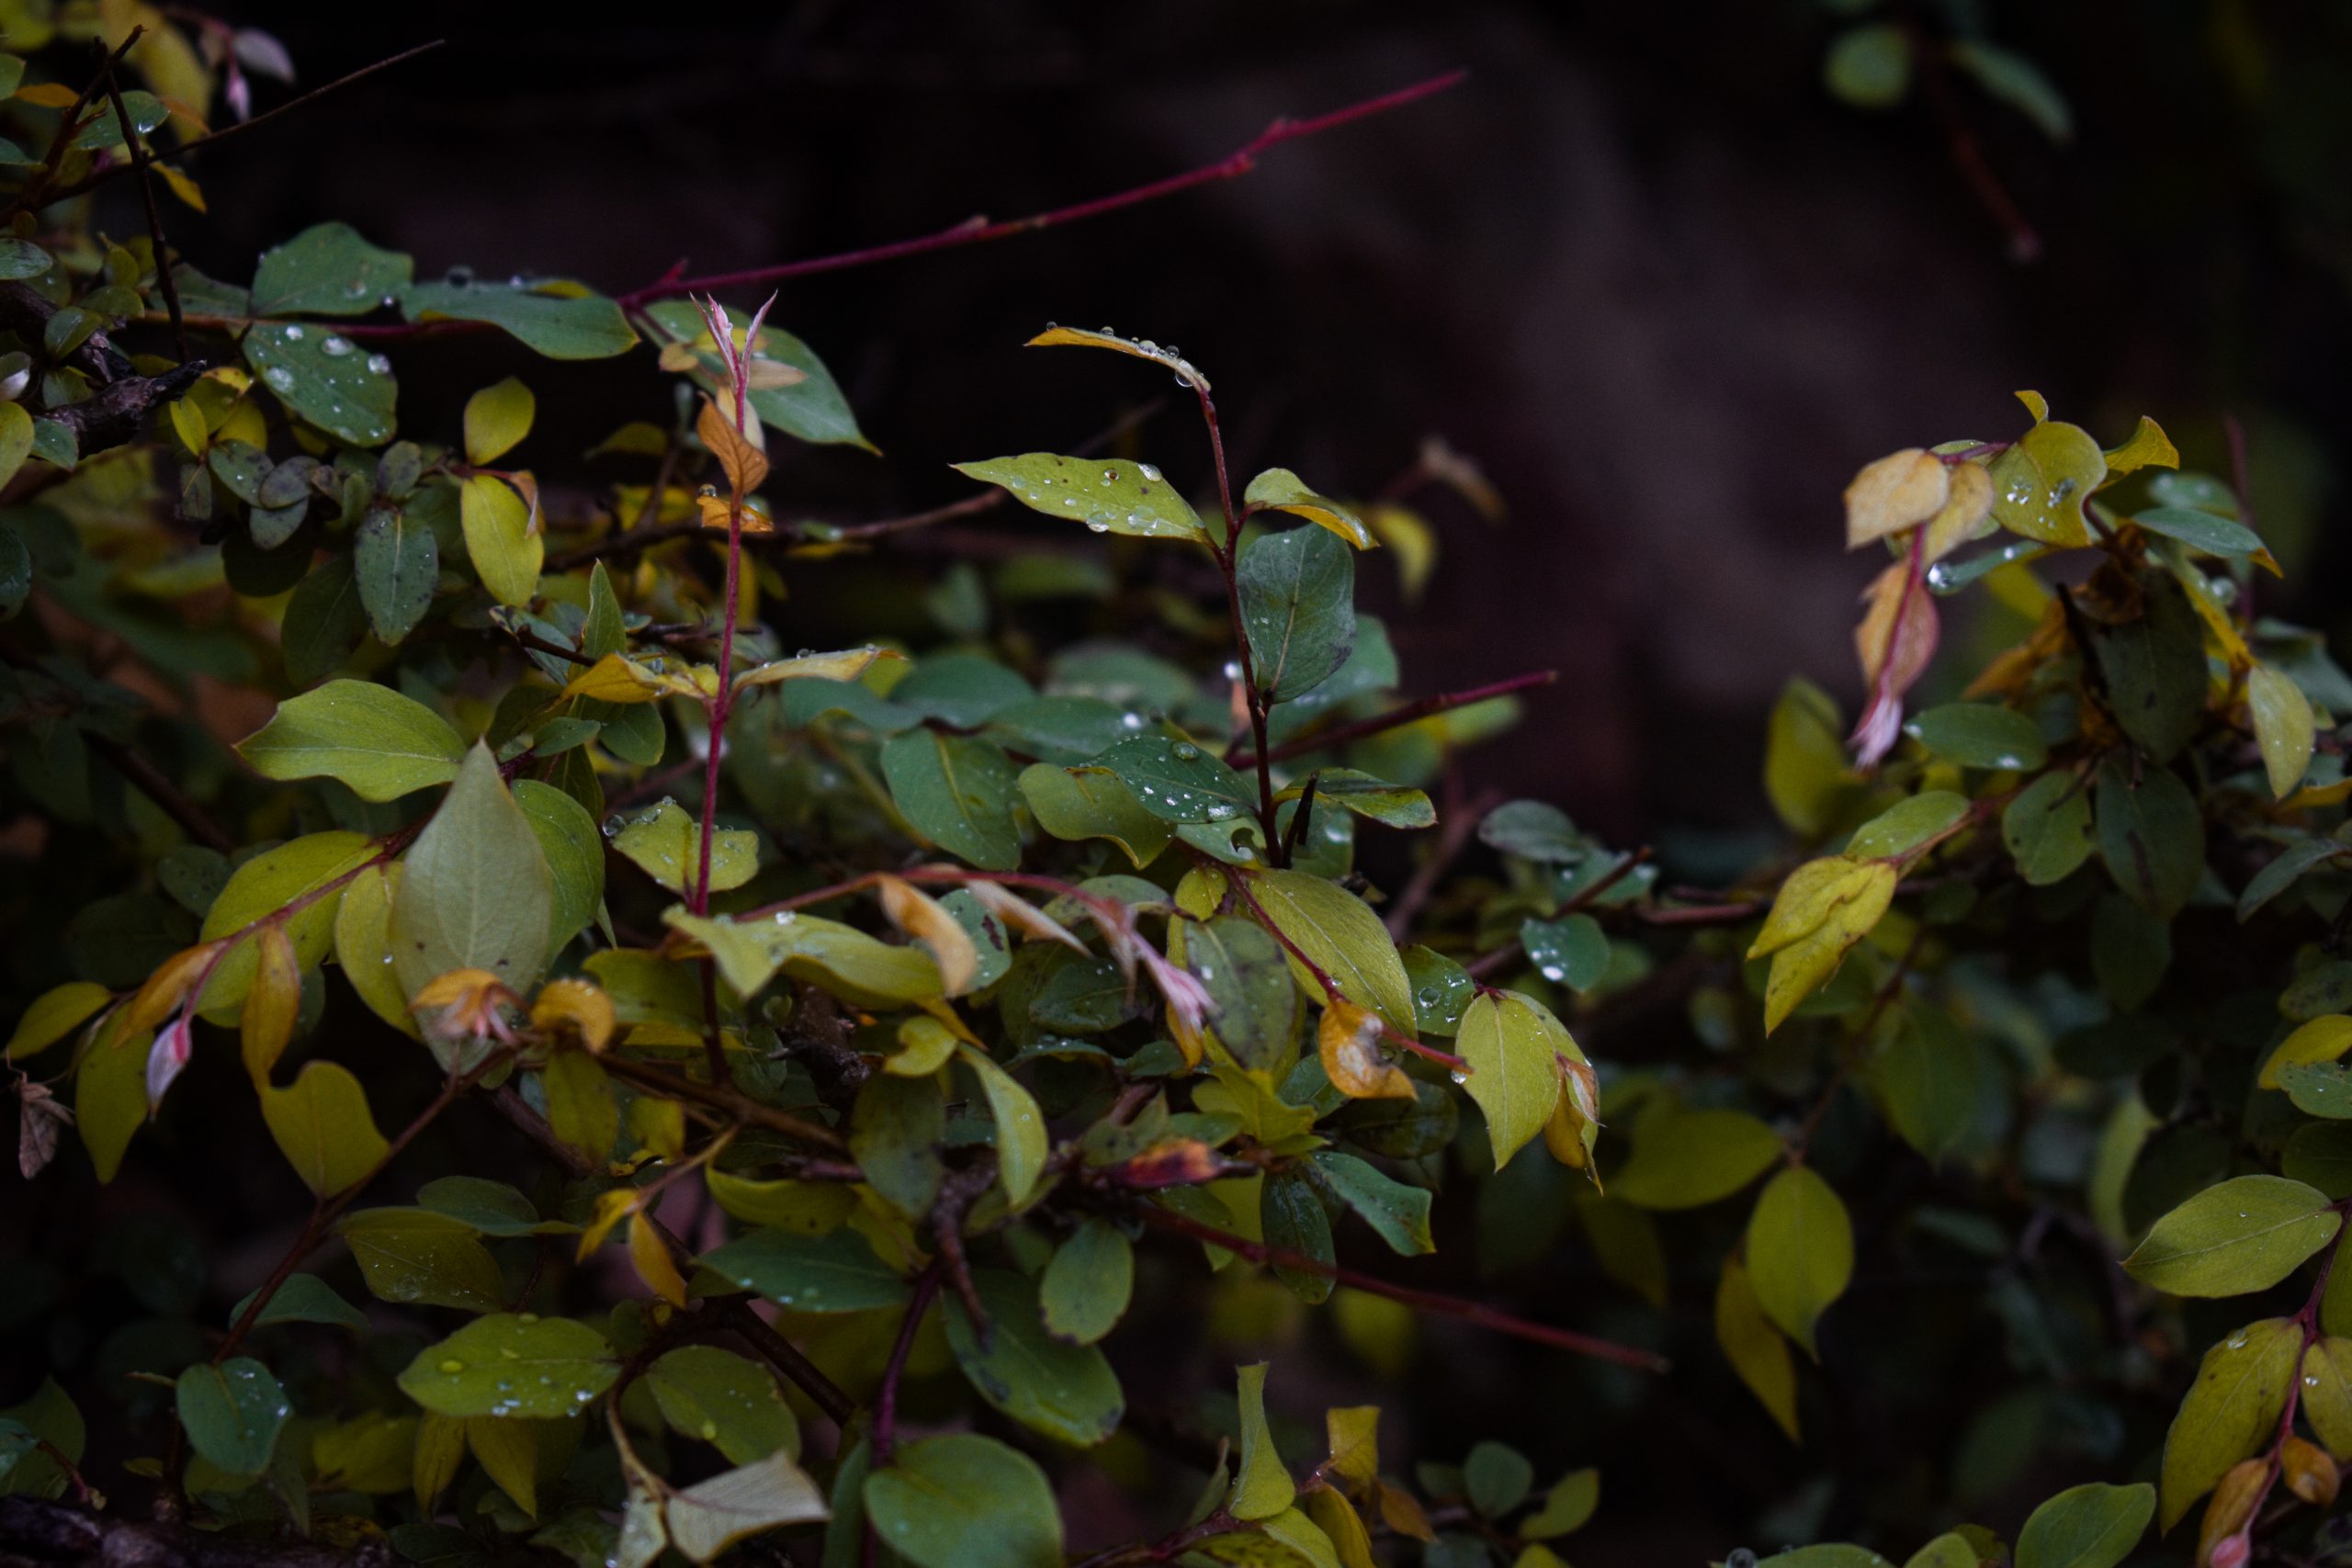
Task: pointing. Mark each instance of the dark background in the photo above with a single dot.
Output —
(1642, 265)
(1664, 287)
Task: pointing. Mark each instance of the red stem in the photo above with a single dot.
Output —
(1423, 1301)
(1393, 717)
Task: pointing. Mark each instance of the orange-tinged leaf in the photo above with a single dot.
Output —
(1894, 643)
(1402, 1512)
(612, 1208)
(738, 453)
(1970, 503)
(2308, 1472)
(271, 1007)
(167, 987)
(48, 95)
(1142, 348)
(927, 920)
(2232, 1508)
(1347, 1040)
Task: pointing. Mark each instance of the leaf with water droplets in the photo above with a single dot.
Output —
(1067, 1391)
(667, 844)
(322, 377)
(232, 1413)
(1110, 495)
(2282, 725)
(2040, 484)
(418, 1258)
(512, 1364)
(2245, 1234)
(1509, 1043)
(327, 270)
(2230, 1411)
(1572, 952)
(721, 1397)
(957, 791)
(1177, 781)
(1979, 735)
(1298, 609)
(1093, 803)
(1141, 348)
(835, 1273)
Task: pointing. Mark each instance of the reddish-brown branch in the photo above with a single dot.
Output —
(976, 230)
(2025, 244)
(885, 1401)
(1422, 1300)
(1396, 717)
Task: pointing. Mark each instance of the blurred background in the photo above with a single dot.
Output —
(1669, 273)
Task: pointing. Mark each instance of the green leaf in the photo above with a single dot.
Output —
(1263, 1488)
(1980, 735)
(2091, 1525)
(895, 1132)
(965, 1501)
(1686, 1159)
(560, 320)
(21, 259)
(417, 1257)
(957, 791)
(2129, 951)
(379, 743)
(304, 1298)
(811, 408)
(324, 1127)
(1067, 1391)
(1179, 782)
(1085, 1289)
(233, 1413)
(325, 621)
(2246, 1235)
(1755, 1348)
(2327, 1391)
(1800, 1252)
(1929, 1078)
(1291, 1216)
(489, 1208)
(1338, 933)
(1498, 1478)
(1247, 976)
(273, 881)
(323, 379)
(1279, 489)
(399, 562)
(54, 1014)
(327, 270)
(1375, 799)
(1093, 803)
(2230, 1412)
(497, 418)
(2048, 828)
(1532, 830)
(1566, 1508)
(2201, 530)
(2019, 83)
(110, 1096)
(835, 1273)
(506, 551)
(1511, 1043)
(1572, 952)
(708, 1517)
(575, 857)
(1298, 608)
(722, 1398)
(1397, 1211)
(2152, 837)
(1869, 67)
(1902, 827)
(511, 1364)
(2040, 484)
(1021, 1144)
(1110, 495)
(1835, 1555)
(843, 959)
(665, 843)
(475, 889)
(2154, 668)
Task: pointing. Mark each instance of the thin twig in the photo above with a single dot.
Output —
(142, 158)
(213, 139)
(1425, 1301)
(1395, 717)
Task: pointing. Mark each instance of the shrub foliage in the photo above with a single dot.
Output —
(889, 1023)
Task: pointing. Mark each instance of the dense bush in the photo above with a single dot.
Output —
(912, 1047)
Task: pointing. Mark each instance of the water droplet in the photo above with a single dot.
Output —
(335, 346)
(279, 378)
(458, 276)
(292, 334)
(380, 364)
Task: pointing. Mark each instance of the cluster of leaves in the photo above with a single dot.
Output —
(979, 992)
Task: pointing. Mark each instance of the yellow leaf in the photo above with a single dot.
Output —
(440, 1450)
(578, 1005)
(1900, 490)
(1347, 1040)
(1414, 541)
(927, 920)
(2282, 725)
(1353, 1433)
(652, 1256)
(2324, 1039)
(658, 1124)
(580, 1104)
(1337, 1519)
(2149, 448)
(509, 1450)
(846, 665)
(186, 188)
(1970, 503)
(167, 987)
(48, 95)
(363, 947)
(613, 679)
(496, 418)
(507, 552)
(1822, 909)
(612, 1208)
(1054, 336)
(324, 1127)
(2233, 1505)
(1263, 1488)
(926, 1045)
(271, 1007)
